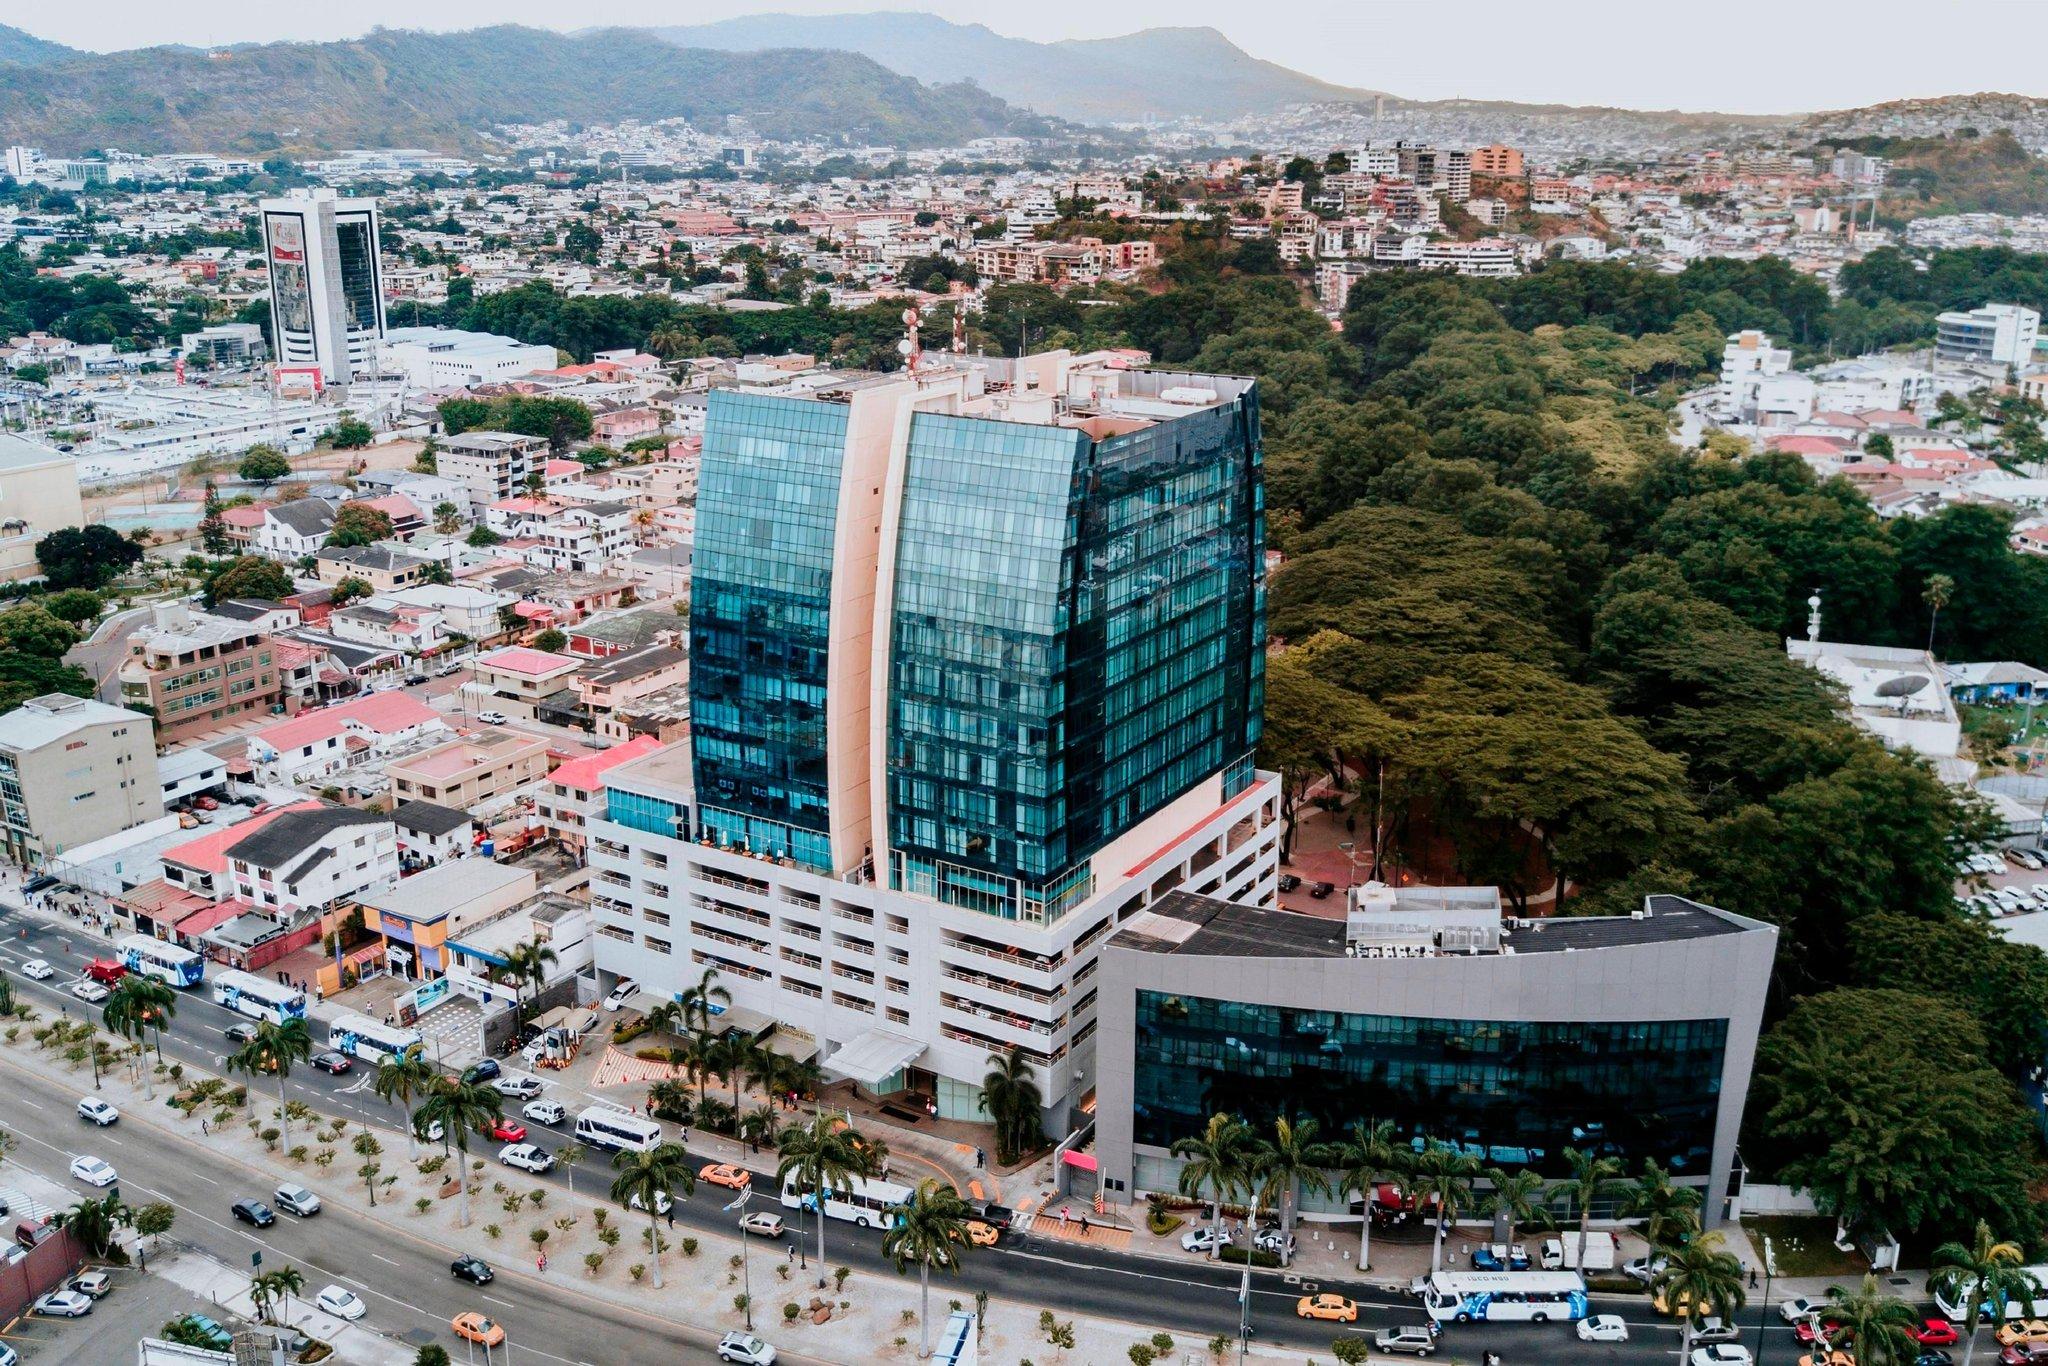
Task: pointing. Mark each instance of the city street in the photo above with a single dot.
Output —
(409, 1279)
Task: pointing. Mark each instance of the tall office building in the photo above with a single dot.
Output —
(977, 668)
(326, 283)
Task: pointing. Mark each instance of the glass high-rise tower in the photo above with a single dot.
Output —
(976, 667)
(326, 283)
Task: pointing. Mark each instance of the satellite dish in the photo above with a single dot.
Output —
(1905, 685)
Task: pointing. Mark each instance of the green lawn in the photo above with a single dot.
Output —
(1803, 1245)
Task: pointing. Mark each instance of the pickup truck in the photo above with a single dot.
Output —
(1415, 1339)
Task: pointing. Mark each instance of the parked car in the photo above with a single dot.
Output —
(341, 1302)
(1288, 882)
(209, 1332)
(1645, 1269)
(414, 680)
(1322, 889)
(472, 1269)
(98, 1111)
(527, 1157)
(493, 718)
(1273, 1241)
(93, 1283)
(544, 1111)
(1203, 1238)
(67, 1304)
(622, 993)
(295, 1199)
(1933, 1332)
(253, 1212)
(1499, 1258)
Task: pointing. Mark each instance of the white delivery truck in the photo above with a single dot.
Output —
(1562, 1253)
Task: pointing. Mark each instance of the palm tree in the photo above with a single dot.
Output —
(95, 1221)
(1443, 1175)
(1220, 1158)
(526, 963)
(447, 517)
(930, 1230)
(401, 1078)
(695, 1057)
(1670, 1212)
(137, 1005)
(671, 1100)
(569, 1154)
(462, 1108)
(1982, 1271)
(1592, 1179)
(1291, 1162)
(272, 1286)
(698, 1000)
(1704, 1279)
(1365, 1159)
(1516, 1197)
(1012, 1100)
(649, 1178)
(731, 1058)
(825, 1158)
(666, 1016)
(1875, 1322)
(1939, 591)
(275, 1049)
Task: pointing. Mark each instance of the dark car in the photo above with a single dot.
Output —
(1288, 882)
(472, 1269)
(1322, 889)
(42, 882)
(990, 1213)
(331, 1062)
(482, 1071)
(253, 1212)
(240, 1033)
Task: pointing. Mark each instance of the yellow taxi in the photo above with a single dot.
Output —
(726, 1174)
(1332, 1307)
(2015, 1331)
(478, 1329)
(1676, 1307)
(980, 1234)
(1836, 1357)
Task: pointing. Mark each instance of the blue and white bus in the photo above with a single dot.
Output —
(252, 995)
(865, 1203)
(1504, 1296)
(153, 957)
(359, 1036)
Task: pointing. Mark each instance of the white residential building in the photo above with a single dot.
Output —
(1746, 361)
(449, 358)
(308, 860)
(1996, 334)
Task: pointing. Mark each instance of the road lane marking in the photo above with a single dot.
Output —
(382, 1258)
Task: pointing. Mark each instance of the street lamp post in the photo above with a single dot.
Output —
(1764, 1305)
(746, 1261)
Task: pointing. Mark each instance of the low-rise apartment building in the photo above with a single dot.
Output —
(381, 567)
(73, 770)
(197, 672)
(470, 771)
(311, 750)
(515, 679)
(575, 792)
(490, 465)
(311, 859)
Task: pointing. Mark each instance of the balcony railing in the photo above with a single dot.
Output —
(1007, 988)
(961, 1003)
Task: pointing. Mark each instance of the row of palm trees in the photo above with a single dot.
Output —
(731, 1057)
(1230, 1162)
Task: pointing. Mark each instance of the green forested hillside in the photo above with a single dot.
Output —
(395, 88)
(25, 49)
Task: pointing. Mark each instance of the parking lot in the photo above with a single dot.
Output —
(2012, 889)
(138, 1306)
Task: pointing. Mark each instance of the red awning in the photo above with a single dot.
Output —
(199, 922)
(1074, 1157)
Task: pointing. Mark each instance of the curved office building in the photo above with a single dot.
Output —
(1512, 1040)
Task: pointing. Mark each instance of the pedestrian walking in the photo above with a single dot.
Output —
(792, 1252)
(671, 1216)
(1063, 1218)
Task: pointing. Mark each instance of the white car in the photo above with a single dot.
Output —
(1800, 1308)
(38, 969)
(434, 1132)
(746, 1349)
(661, 1203)
(93, 1172)
(1603, 1328)
(98, 1111)
(622, 993)
(527, 1157)
(85, 989)
(1721, 1354)
(1203, 1237)
(493, 718)
(68, 1304)
(341, 1302)
(519, 1088)
(544, 1111)
(1643, 1269)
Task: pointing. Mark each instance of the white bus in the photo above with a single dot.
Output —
(252, 995)
(862, 1202)
(1954, 1309)
(165, 961)
(359, 1036)
(605, 1126)
(1504, 1296)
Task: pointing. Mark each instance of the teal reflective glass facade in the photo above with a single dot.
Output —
(760, 595)
(1077, 640)
(1507, 1092)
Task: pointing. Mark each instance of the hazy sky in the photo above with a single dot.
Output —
(1737, 56)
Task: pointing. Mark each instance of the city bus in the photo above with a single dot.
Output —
(153, 957)
(863, 1202)
(1504, 1296)
(252, 995)
(1955, 1309)
(606, 1126)
(359, 1036)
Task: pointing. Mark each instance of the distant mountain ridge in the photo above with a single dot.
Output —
(22, 48)
(1153, 73)
(405, 88)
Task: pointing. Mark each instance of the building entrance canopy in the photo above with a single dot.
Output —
(870, 1057)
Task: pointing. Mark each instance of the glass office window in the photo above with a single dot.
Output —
(1507, 1092)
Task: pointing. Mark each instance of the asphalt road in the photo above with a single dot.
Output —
(1193, 1298)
